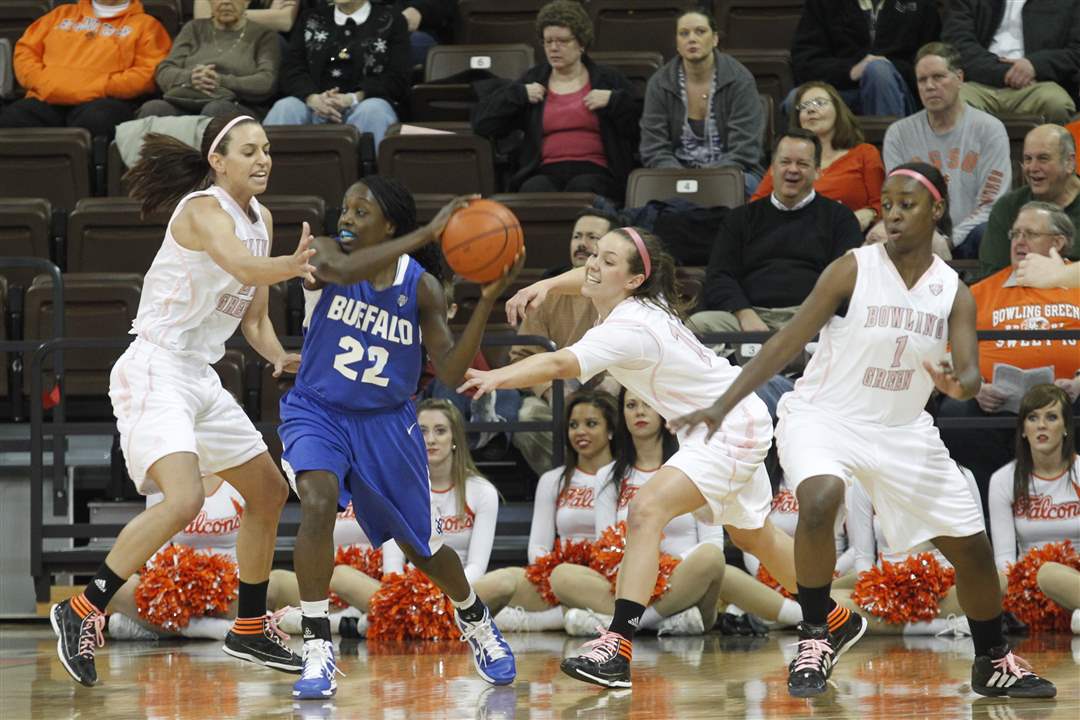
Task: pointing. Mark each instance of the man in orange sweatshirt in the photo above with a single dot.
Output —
(84, 64)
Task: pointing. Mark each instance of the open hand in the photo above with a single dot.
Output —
(525, 300)
(1039, 271)
(495, 288)
(287, 363)
(300, 260)
(479, 382)
(945, 379)
(712, 416)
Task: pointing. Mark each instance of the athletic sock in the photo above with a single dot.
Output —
(99, 591)
(627, 618)
(471, 609)
(986, 634)
(837, 616)
(251, 607)
(815, 603)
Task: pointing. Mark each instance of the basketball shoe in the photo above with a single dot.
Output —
(606, 661)
(847, 633)
(267, 648)
(1002, 673)
(491, 653)
(317, 680)
(809, 672)
(77, 639)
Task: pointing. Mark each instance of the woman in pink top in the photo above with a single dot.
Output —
(851, 170)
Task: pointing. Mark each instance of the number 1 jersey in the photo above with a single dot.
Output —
(362, 349)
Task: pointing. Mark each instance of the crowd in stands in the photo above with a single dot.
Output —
(580, 126)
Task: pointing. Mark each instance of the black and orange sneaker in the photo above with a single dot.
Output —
(261, 641)
(1003, 674)
(606, 662)
(809, 672)
(845, 629)
(78, 636)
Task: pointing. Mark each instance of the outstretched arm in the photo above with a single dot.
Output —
(834, 286)
(960, 379)
(527, 298)
(260, 334)
(533, 370)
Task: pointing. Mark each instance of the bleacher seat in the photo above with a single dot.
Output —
(708, 187)
(429, 204)
(434, 100)
(547, 220)
(691, 279)
(16, 16)
(768, 109)
(110, 235)
(498, 21)
(772, 74)
(874, 128)
(634, 25)
(231, 371)
(24, 232)
(3, 336)
(51, 163)
(7, 72)
(290, 212)
(757, 24)
(166, 12)
(1017, 128)
(96, 305)
(637, 65)
(321, 160)
(445, 163)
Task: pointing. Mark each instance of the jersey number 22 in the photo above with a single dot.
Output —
(354, 352)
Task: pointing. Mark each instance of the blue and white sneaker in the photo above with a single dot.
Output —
(317, 680)
(491, 653)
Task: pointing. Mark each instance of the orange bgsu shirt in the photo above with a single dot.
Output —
(1026, 308)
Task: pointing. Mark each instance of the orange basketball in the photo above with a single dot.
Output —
(481, 240)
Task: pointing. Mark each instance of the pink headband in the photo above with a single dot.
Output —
(225, 131)
(921, 178)
(642, 250)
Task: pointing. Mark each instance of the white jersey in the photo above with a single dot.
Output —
(216, 526)
(347, 531)
(189, 304)
(473, 535)
(869, 364)
(1052, 514)
(580, 512)
(683, 533)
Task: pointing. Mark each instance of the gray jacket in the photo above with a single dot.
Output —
(736, 106)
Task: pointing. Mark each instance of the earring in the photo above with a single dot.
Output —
(453, 447)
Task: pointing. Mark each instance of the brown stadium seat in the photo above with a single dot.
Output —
(691, 279)
(290, 212)
(634, 25)
(17, 15)
(24, 232)
(768, 109)
(433, 100)
(1017, 127)
(439, 163)
(51, 163)
(498, 21)
(460, 127)
(166, 12)
(96, 305)
(7, 72)
(762, 24)
(547, 220)
(110, 235)
(231, 371)
(708, 187)
(114, 171)
(637, 65)
(429, 204)
(3, 336)
(874, 128)
(772, 74)
(321, 160)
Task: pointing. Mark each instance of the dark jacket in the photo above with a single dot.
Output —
(1051, 39)
(834, 35)
(506, 108)
(378, 49)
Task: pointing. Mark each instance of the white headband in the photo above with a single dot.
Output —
(225, 131)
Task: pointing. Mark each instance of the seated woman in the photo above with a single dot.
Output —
(226, 64)
(851, 170)
(702, 108)
(1035, 506)
(579, 119)
(574, 504)
(345, 64)
(694, 562)
(278, 15)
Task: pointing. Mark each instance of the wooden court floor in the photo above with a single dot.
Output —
(703, 677)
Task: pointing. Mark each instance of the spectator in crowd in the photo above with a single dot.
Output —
(1074, 130)
(865, 49)
(564, 319)
(702, 108)
(346, 64)
(851, 170)
(1005, 305)
(1049, 176)
(579, 119)
(769, 253)
(970, 147)
(224, 65)
(428, 21)
(1019, 58)
(278, 15)
(84, 64)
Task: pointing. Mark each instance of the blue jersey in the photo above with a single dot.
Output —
(362, 347)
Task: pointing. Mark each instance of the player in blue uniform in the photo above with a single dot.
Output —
(349, 427)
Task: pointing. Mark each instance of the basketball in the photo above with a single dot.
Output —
(481, 240)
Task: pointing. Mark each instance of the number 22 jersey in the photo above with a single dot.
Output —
(362, 349)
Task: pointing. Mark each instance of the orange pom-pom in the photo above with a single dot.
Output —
(366, 559)
(607, 556)
(409, 606)
(765, 578)
(903, 592)
(1026, 600)
(575, 552)
(180, 583)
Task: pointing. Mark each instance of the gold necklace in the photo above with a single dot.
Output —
(217, 47)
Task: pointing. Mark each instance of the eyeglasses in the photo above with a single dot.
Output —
(558, 42)
(816, 103)
(1028, 234)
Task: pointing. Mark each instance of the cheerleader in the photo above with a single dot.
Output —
(574, 504)
(692, 564)
(1034, 507)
